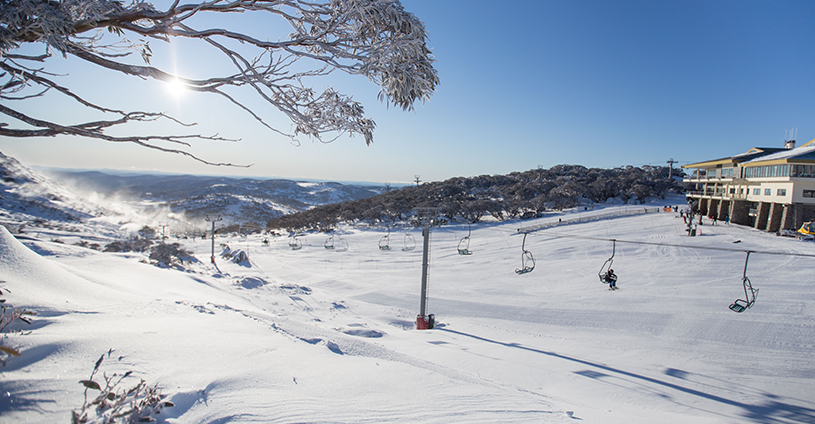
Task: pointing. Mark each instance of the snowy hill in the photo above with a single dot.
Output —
(237, 200)
(317, 336)
(27, 196)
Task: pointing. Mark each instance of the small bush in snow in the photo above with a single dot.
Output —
(236, 256)
(136, 245)
(8, 315)
(169, 254)
(118, 404)
(88, 245)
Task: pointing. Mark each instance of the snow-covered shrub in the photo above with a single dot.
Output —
(118, 404)
(236, 256)
(9, 315)
(169, 254)
(88, 245)
(226, 251)
(239, 256)
(147, 232)
(135, 245)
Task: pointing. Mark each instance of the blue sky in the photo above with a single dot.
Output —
(523, 84)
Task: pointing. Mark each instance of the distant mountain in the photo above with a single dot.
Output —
(236, 200)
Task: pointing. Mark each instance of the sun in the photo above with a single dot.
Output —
(176, 87)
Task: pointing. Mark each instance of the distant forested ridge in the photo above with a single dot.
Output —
(516, 195)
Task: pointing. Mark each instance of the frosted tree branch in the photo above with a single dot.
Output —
(374, 38)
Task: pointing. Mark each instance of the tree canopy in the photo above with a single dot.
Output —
(377, 39)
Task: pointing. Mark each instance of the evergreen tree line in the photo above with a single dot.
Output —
(517, 195)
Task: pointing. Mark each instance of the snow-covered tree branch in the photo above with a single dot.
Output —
(374, 38)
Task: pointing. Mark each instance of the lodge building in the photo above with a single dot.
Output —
(767, 188)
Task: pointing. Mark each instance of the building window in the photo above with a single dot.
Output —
(732, 191)
(781, 192)
(768, 171)
(804, 171)
(768, 191)
(809, 193)
(756, 191)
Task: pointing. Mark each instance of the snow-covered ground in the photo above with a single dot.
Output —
(324, 336)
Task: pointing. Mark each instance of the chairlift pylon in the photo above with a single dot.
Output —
(385, 241)
(527, 260)
(605, 272)
(410, 242)
(464, 244)
(741, 305)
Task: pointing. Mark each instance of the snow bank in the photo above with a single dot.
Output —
(37, 282)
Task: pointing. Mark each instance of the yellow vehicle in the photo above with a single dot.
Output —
(808, 228)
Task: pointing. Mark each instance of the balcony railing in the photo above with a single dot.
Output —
(705, 178)
(717, 194)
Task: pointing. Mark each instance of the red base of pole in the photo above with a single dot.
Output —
(213, 259)
(425, 322)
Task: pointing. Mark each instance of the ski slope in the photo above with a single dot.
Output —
(322, 336)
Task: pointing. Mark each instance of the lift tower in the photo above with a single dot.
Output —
(427, 218)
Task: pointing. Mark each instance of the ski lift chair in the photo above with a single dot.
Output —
(385, 241)
(410, 242)
(329, 243)
(340, 244)
(741, 305)
(527, 260)
(464, 244)
(294, 243)
(604, 270)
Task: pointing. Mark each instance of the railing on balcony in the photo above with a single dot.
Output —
(719, 194)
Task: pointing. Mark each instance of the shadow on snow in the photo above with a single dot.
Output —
(771, 411)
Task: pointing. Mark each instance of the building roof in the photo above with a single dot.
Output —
(763, 154)
(803, 153)
(754, 153)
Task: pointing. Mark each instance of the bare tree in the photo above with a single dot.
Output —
(374, 38)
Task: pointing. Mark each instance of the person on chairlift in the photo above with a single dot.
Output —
(611, 278)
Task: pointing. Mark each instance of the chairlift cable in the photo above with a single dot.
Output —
(763, 252)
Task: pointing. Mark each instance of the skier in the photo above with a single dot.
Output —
(611, 279)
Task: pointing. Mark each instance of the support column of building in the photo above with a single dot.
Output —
(788, 218)
(738, 212)
(703, 206)
(761, 216)
(712, 207)
(774, 218)
(807, 213)
(798, 215)
(724, 209)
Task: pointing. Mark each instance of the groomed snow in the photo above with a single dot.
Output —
(321, 336)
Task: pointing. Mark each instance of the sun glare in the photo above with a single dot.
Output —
(176, 88)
